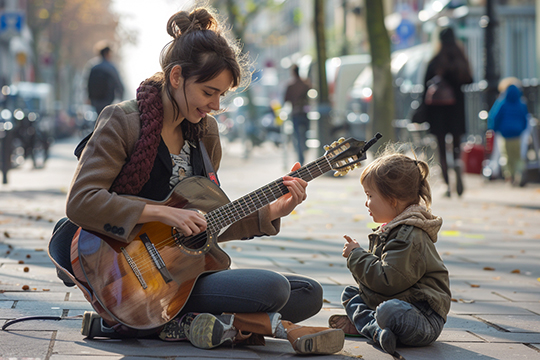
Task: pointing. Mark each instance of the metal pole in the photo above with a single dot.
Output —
(491, 74)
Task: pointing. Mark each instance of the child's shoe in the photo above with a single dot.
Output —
(387, 340)
(344, 323)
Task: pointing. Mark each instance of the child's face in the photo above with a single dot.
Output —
(380, 209)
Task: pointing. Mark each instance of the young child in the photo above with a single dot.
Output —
(403, 291)
(509, 117)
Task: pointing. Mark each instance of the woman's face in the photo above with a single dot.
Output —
(201, 98)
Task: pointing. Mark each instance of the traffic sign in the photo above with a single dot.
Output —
(11, 22)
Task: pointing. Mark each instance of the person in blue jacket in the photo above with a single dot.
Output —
(509, 117)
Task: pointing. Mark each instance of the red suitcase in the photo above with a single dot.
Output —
(472, 156)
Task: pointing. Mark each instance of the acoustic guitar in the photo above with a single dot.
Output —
(144, 284)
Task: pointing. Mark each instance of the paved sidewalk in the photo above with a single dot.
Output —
(490, 241)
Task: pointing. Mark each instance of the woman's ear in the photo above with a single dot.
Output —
(175, 76)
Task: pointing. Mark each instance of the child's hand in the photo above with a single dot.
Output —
(349, 246)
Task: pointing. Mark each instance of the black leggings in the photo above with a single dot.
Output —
(456, 153)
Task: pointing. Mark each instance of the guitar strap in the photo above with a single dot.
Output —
(208, 165)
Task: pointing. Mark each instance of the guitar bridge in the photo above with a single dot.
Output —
(134, 268)
(156, 258)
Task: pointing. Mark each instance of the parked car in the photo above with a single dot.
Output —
(408, 68)
(237, 122)
(28, 112)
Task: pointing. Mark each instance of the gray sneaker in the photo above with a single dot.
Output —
(94, 326)
(207, 331)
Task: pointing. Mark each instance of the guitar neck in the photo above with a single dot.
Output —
(232, 212)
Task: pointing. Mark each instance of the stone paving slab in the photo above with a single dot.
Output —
(484, 307)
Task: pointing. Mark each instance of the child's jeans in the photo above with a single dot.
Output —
(415, 325)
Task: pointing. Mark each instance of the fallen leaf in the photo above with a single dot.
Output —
(326, 301)
(21, 262)
(475, 286)
(6, 234)
(489, 268)
(46, 289)
(26, 269)
(28, 256)
(454, 300)
(497, 278)
(515, 271)
(466, 301)
(26, 287)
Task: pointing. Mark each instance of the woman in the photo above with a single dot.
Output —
(148, 146)
(450, 64)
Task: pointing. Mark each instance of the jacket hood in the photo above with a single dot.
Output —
(420, 217)
(513, 94)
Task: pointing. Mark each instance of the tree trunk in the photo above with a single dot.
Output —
(324, 128)
(383, 93)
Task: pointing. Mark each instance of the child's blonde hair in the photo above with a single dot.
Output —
(399, 177)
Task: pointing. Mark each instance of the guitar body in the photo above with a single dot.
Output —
(144, 284)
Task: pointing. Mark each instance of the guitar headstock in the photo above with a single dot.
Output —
(345, 155)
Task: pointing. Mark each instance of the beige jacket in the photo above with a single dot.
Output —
(91, 205)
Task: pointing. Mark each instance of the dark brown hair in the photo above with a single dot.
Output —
(202, 47)
(452, 63)
(399, 177)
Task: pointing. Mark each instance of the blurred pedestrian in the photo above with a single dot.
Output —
(403, 292)
(157, 147)
(509, 117)
(297, 95)
(447, 71)
(104, 82)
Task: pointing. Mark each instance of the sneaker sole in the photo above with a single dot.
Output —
(324, 343)
(87, 324)
(206, 331)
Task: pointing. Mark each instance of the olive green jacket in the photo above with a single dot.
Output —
(402, 262)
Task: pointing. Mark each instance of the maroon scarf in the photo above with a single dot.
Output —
(136, 171)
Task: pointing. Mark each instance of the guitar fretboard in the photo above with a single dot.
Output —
(248, 204)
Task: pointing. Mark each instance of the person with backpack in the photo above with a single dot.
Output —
(104, 83)
(448, 70)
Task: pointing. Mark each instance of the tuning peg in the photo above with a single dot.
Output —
(326, 147)
(341, 139)
(334, 144)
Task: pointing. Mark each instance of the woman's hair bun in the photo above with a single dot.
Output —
(183, 22)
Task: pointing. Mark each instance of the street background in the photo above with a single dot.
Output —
(490, 242)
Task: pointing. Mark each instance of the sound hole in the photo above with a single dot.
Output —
(196, 242)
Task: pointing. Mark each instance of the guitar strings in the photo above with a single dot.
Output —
(229, 211)
(276, 186)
